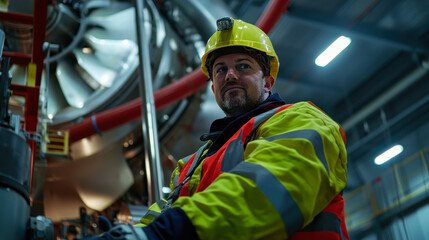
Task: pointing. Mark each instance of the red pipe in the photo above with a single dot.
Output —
(180, 89)
(18, 58)
(18, 18)
(170, 94)
(131, 111)
(40, 13)
(272, 14)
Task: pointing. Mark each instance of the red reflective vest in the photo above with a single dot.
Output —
(329, 224)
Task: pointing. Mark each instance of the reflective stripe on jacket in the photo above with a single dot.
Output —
(279, 176)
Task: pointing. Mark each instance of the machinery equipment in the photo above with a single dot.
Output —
(15, 155)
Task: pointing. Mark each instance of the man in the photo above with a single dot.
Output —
(268, 170)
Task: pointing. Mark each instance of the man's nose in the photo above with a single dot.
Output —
(231, 74)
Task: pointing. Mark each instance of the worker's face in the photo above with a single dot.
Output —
(239, 84)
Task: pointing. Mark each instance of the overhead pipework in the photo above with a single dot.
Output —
(96, 65)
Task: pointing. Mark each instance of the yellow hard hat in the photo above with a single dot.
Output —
(234, 33)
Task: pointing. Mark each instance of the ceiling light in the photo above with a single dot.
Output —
(332, 51)
(389, 154)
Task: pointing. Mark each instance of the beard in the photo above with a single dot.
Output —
(236, 105)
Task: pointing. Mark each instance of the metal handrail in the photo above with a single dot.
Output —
(366, 196)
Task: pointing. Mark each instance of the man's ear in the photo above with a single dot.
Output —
(269, 83)
(212, 88)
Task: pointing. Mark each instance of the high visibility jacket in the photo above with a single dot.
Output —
(279, 176)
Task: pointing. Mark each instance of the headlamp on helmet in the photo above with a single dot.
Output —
(225, 23)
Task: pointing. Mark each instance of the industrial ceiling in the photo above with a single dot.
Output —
(377, 88)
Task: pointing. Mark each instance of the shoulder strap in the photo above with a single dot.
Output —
(197, 160)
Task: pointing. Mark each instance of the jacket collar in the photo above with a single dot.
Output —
(222, 129)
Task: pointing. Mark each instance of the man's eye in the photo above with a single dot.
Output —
(221, 69)
(243, 66)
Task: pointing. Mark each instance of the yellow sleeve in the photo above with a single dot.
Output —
(291, 171)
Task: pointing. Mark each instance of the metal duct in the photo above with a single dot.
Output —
(400, 86)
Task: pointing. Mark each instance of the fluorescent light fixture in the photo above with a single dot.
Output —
(389, 154)
(332, 51)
